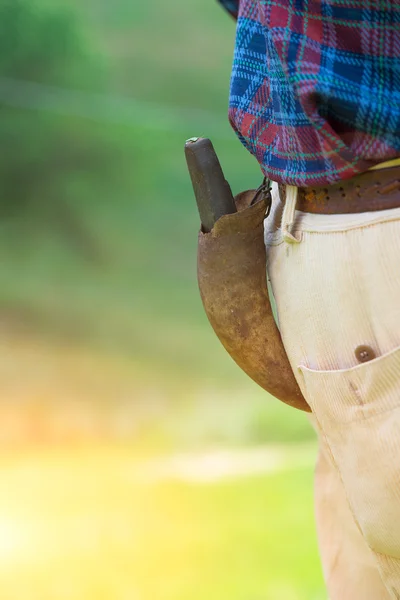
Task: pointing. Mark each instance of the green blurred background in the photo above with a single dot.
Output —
(136, 461)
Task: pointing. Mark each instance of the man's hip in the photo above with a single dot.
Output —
(336, 283)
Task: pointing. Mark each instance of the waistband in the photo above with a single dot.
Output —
(285, 223)
(309, 222)
(365, 199)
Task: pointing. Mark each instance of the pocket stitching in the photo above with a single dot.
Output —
(338, 411)
(354, 368)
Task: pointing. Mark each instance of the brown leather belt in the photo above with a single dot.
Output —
(370, 191)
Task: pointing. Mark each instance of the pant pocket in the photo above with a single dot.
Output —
(358, 412)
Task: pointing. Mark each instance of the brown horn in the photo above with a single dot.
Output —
(233, 284)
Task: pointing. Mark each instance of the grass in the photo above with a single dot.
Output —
(81, 525)
(142, 299)
(59, 393)
(120, 350)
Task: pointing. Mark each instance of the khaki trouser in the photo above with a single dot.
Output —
(336, 281)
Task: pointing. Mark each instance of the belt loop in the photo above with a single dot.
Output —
(288, 215)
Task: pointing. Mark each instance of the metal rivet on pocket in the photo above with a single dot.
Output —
(364, 353)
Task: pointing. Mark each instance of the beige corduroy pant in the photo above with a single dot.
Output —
(336, 283)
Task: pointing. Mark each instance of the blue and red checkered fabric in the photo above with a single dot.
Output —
(315, 91)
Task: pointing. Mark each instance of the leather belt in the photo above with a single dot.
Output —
(368, 192)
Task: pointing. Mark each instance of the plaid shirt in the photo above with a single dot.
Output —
(315, 91)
